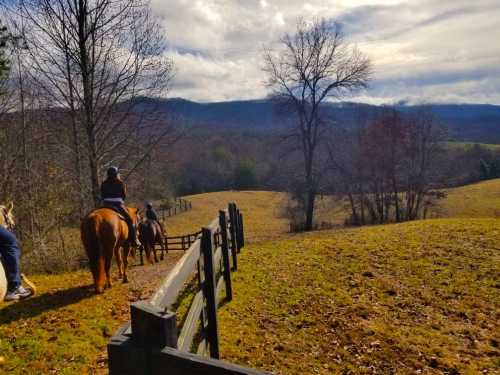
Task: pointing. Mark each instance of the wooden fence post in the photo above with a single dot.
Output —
(242, 231)
(209, 290)
(152, 327)
(234, 241)
(124, 357)
(225, 255)
(238, 226)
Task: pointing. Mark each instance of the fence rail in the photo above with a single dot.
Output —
(180, 205)
(152, 343)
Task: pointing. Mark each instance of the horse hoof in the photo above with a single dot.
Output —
(125, 281)
(99, 290)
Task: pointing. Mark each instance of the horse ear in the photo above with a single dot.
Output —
(10, 207)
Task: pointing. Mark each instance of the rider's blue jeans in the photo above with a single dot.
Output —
(10, 254)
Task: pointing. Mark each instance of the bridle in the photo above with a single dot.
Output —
(9, 224)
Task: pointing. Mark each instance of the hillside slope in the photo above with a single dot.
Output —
(481, 199)
(65, 328)
(404, 298)
(465, 122)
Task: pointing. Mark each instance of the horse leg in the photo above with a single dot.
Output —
(119, 261)
(149, 253)
(126, 251)
(98, 271)
(154, 252)
(161, 241)
(107, 267)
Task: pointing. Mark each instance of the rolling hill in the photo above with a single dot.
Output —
(402, 297)
(465, 122)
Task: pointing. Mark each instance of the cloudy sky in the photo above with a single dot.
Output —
(422, 50)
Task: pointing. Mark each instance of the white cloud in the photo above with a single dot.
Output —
(431, 50)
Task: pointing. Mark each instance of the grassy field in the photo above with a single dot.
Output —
(65, 328)
(406, 298)
(424, 294)
(421, 296)
(481, 199)
(465, 146)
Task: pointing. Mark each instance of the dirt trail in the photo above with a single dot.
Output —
(144, 284)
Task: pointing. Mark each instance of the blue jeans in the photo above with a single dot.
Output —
(10, 254)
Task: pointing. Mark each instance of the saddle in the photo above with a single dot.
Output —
(115, 209)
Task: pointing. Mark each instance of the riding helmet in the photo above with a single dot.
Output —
(112, 171)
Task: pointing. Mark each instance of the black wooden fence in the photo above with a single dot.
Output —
(180, 205)
(152, 343)
(182, 243)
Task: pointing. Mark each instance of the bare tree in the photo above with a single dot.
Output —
(315, 65)
(96, 59)
(389, 166)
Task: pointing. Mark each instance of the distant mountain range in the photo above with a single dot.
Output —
(465, 122)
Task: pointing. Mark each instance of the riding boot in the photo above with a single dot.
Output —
(161, 227)
(132, 234)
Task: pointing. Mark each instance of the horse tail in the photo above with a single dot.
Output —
(92, 244)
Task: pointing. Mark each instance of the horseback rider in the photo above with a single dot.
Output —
(10, 254)
(152, 215)
(113, 195)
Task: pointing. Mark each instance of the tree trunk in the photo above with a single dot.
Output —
(94, 171)
(311, 198)
(353, 208)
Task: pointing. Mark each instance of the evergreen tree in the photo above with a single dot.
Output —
(4, 63)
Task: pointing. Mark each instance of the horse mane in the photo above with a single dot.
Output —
(3, 209)
(5, 212)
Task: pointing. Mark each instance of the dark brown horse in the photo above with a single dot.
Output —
(103, 234)
(150, 234)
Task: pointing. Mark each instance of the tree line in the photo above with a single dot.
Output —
(72, 74)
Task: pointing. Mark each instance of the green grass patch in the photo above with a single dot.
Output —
(386, 299)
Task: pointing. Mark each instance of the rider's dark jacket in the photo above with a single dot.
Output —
(113, 188)
(151, 214)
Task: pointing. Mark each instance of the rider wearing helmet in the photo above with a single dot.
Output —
(152, 215)
(114, 193)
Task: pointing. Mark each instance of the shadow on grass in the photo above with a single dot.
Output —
(38, 304)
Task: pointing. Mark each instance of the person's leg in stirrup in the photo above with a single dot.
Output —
(132, 235)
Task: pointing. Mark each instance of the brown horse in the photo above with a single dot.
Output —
(150, 234)
(103, 234)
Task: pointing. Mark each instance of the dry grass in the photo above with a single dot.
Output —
(481, 199)
(301, 301)
(465, 146)
(65, 328)
(407, 298)
(261, 211)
